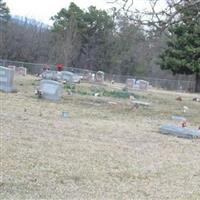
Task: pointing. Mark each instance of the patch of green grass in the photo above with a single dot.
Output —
(70, 87)
(111, 93)
(100, 91)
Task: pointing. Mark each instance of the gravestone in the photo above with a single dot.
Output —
(180, 132)
(51, 90)
(93, 77)
(130, 83)
(67, 76)
(143, 85)
(100, 76)
(6, 79)
(12, 67)
(142, 103)
(59, 76)
(49, 75)
(21, 71)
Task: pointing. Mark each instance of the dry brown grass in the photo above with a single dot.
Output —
(102, 151)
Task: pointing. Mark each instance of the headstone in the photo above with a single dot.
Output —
(87, 75)
(6, 79)
(142, 103)
(58, 76)
(130, 83)
(93, 77)
(180, 132)
(51, 90)
(100, 76)
(21, 71)
(12, 67)
(143, 85)
(67, 76)
(49, 75)
(76, 78)
(179, 118)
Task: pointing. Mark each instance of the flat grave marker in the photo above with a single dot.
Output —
(180, 132)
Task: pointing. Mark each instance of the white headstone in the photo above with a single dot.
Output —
(21, 71)
(12, 67)
(67, 76)
(100, 76)
(6, 79)
(143, 85)
(130, 83)
(51, 90)
(49, 75)
(93, 77)
(59, 76)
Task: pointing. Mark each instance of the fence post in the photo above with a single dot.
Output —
(4, 63)
(178, 85)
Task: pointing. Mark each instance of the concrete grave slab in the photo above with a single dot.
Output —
(180, 132)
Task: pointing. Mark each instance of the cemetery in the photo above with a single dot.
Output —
(100, 100)
(92, 138)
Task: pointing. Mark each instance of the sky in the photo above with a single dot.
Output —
(42, 10)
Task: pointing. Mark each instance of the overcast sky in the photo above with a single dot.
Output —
(42, 10)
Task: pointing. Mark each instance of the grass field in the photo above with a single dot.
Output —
(106, 149)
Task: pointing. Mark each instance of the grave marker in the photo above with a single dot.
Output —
(130, 83)
(100, 76)
(12, 67)
(179, 131)
(21, 71)
(59, 76)
(49, 75)
(6, 79)
(67, 76)
(51, 90)
(143, 85)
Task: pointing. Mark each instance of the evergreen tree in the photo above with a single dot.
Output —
(4, 11)
(182, 55)
(88, 47)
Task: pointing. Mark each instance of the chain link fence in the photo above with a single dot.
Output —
(166, 84)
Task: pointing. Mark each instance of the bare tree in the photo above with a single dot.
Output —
(25, 40)
(66, 44)
(153, 16)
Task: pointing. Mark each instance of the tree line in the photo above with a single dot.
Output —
(115, 41)
(93, 39)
